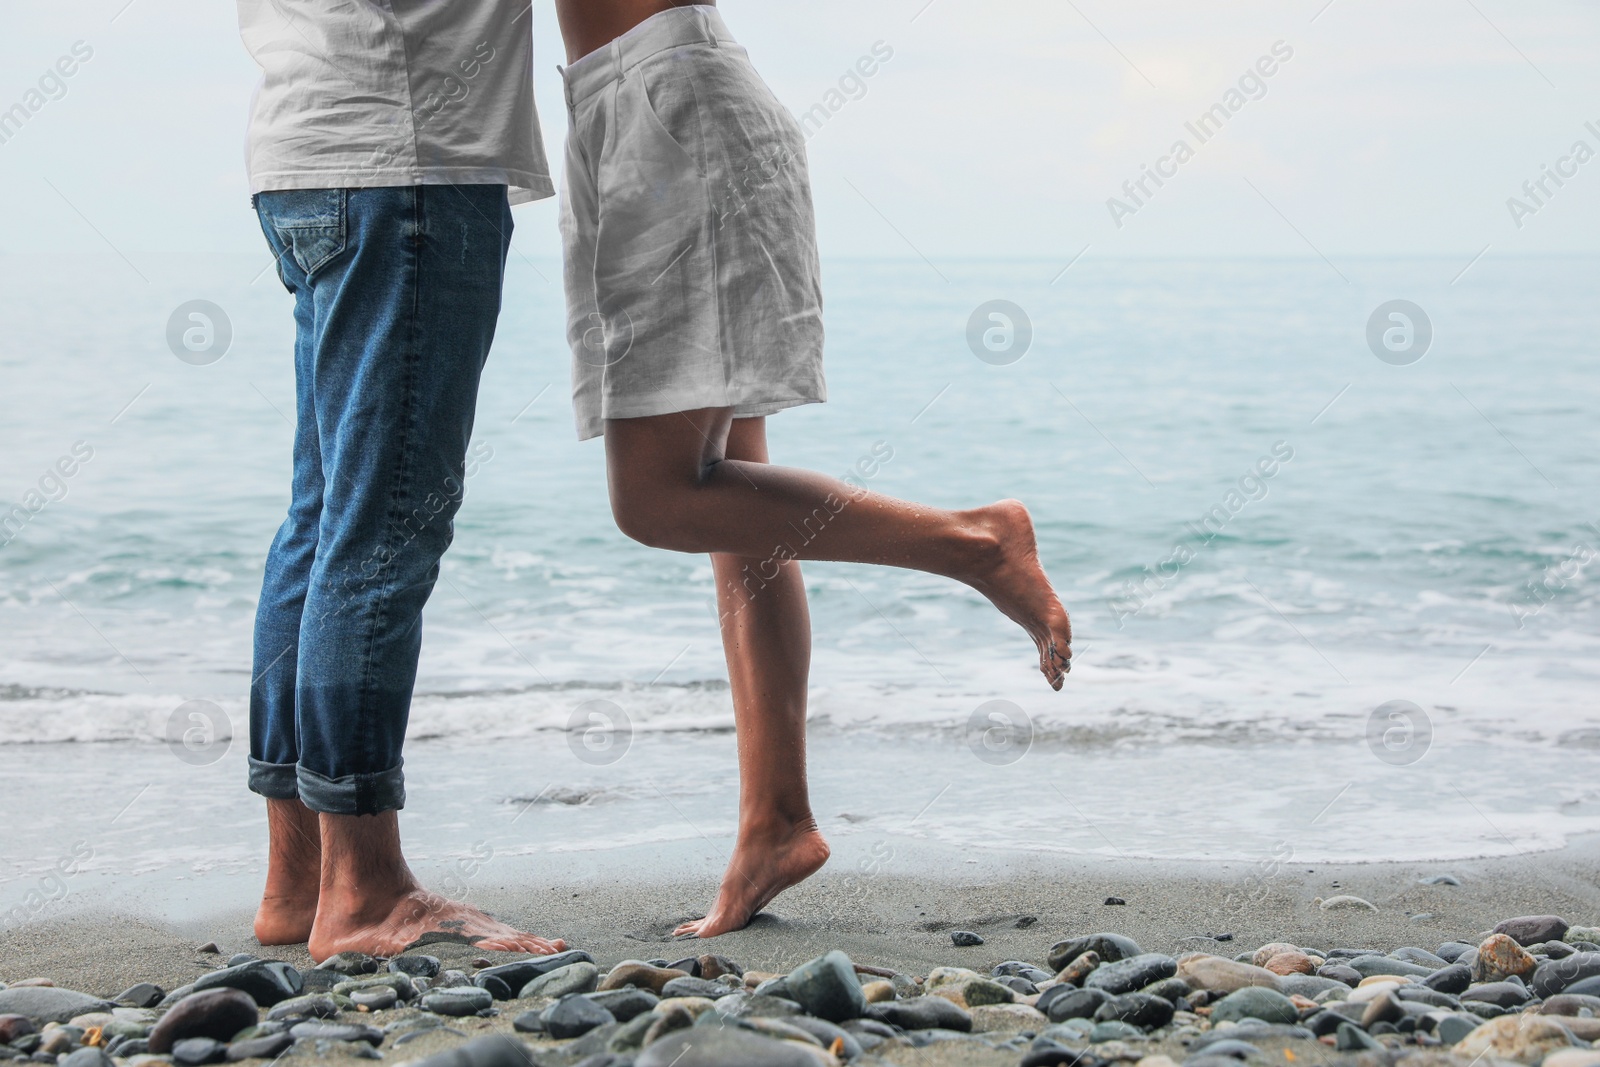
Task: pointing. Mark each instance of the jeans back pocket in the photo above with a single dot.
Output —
(306, 224)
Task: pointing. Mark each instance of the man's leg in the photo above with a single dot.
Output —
(294, 854)
(406, 288)
(673, 486)
(766, 636)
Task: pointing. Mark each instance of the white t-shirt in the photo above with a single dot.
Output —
(366, 93)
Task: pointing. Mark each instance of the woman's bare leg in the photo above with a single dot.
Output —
(767, 640)
(673, 485)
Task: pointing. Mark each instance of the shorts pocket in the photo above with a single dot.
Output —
(307, 224)
(669, 111)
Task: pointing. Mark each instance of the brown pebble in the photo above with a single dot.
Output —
(1266, 952)
(215, 1013)
(715, 966)
(1499, 958)
(640, 974)
(676, 1017)
(15, 1026)
(32, 982)
(1075, 972)
(1291, 963)
(878, 992)
(209, 946)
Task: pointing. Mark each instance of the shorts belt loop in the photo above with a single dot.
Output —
(566, 85)
(617, 58)
(705, 28)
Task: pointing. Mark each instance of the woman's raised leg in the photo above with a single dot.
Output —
(674, 485)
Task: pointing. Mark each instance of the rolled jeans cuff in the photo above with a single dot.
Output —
(354, 794)
(275, 781)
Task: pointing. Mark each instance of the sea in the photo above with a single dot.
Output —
(1327, 532)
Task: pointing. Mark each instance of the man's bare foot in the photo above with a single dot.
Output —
(345, 925)
(765, 862)
(294, 861)
(1016, 584)
(370, 901)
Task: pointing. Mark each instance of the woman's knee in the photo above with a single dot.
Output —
(656, 519)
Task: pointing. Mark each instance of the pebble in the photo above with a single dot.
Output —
(1255, 1002)
(1291, 963)
(198, 1051)
(1020, 969)
(877, 992)
(1549, 978)
(402, 984)
(376, 998)
(640, 974)
(1073, 1004)
(1570, 1004)
(1143, 1010)
(580, 977)
(690, 986)
(1452, 979)
(416, 965)
(1223, 975)
(828, 1035)
(1114, 1030)
(1452, 1028)
(573, 1016)
(350, 964)
(1346, 901)
(922, 1013)
(625, 1004)
(1532, 929)
(520, 972)
(967, 989)
(86, 1057)
(14, 1026)
(1108, 946)
(44, 1004)
(214, 1013)
(267, 981)
(1573, 1057)
(1383, 966)
(1500, 994)
(324, 1031)
(142, 995)
(1135, 972)
(1440, 879)
(749, 1005)
(724, 1047)
(965, 938)
(827, 987)
(1500, 957)
(1075, 972)
(1307, 985)
(458, 1001)
(265, 1047)
(1525, 1038)
(493, 1050)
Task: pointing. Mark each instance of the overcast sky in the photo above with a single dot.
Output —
(996, 128)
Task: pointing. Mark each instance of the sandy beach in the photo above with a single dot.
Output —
(895, 912)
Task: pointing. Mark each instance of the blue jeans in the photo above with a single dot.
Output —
(396, 293)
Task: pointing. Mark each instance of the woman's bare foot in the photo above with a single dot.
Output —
(1016, 584)
(294, 862)
(765, 862)
(370, 901)
(381, 928)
